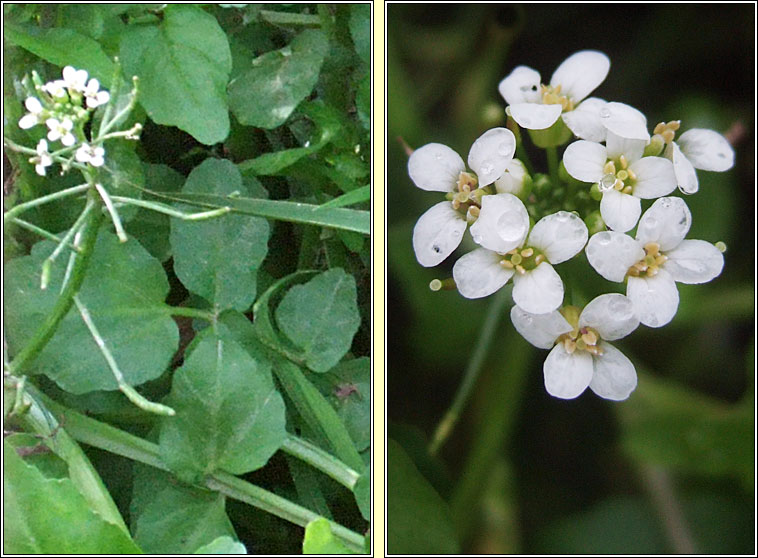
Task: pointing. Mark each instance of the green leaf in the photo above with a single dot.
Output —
(183, 64)
(321, 318)
(222, 545)
(218, 258)
(269, 92)
(319, 539)
(316, 412)
(348, 386)
(360, 30)
(363, 101)
(169, 517)
(124, 291)
(359, 195)
(362, 492)
(294, 212)
(48, 516)
(228, 412)
(418, 520)
(62, 47)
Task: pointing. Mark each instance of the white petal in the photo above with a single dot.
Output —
(584, 160)
(533, 116)
(28, 121)
(42, 146)
(490, 154)
(655, 298)
(68, 140)
(624, 121)
(541, 330)
(437, 233)
(686, 177)
(620, 211)
(694, 261)
(666, 222)
(512, 180)
(567, 375)
(631, 149)
(522, 85)
(612, 253)
(102, 97)
(40, 169)
(581, 73)
(655, 177)
(614, 375)
(585, 121)
(82, 154)
(503, 223)
(435, 167)
(479, 273)
(538, 291)
(707, 150)
(33, 105)
(559, 236)
(612, 315)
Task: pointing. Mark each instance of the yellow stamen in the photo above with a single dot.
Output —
(623, 162)
(527, 252)
(520, 270)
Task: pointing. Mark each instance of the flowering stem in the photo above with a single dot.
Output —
(41, 232)
(552, 164)
(20, 208)
(170, 211)
(120, 232)
(64, 242)
(125, 388)
(321, 460)
(62, 305)
(104, 129)
(473, 369)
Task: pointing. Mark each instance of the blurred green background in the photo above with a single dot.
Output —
(672, 468)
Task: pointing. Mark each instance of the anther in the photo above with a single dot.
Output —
(674, 125)
(609, 168)
(527, 252)
(618, 185)
(668, 136)
(659, 128)
(539, 259)
(631, 174)
(506, 264)
(623, 161)
(520, 269)
(622, 174)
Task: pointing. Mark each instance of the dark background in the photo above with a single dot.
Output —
(570, 482)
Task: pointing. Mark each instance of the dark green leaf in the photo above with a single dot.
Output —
(47, 516)
(183, 64)
(418, 520)
(218, 258)
(228, 412)
(321, 318)
(266, 95)
(362, 492)
(360, 29)
(124, 291)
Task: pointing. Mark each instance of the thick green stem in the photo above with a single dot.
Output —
(100, 435)
(46, 331)
(170, 211)
(552, 164)
(321, 460)
(473, 369)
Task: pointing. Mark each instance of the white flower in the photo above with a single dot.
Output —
(94, 96)
(35, 109)
(507, 252)
(580, 355)
(61, 131)
(75, 80)
(56, 89)
(698, 149)
(657, 258)
(92, 155)
(512, 180)
(42, 159)
(436, 167)
(623, 176)
(536, 106)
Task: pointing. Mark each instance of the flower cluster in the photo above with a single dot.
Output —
(64, 106)
(524, 225)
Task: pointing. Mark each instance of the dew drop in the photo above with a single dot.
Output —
(651, 223)
(562, 217)
(486, 168)
(477, 238)
(606, 183)
(605, 112)
(603, 238)
(510, 225)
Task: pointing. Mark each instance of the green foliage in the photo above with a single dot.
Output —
(319, 539)
(171, 312)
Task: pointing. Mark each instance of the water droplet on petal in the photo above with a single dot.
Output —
(486, 168)
(605, 112)
(603, 238)
(510, 225)
(651, 223)
(562, 217)
(477, 238)
(606, 183)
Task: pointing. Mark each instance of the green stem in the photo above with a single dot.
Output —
(132, 394)
(552, 164)
(64, 242)
(100, 435)
(321, 460)
(120, 232)
(41, 232)
(123, 113)
(170, 211)
(62, 305)
(473, 369)
(286, 18)
(20, 208)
